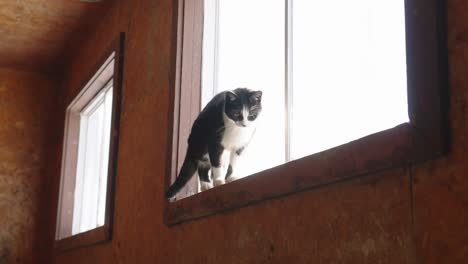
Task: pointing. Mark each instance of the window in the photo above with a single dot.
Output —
(92, 161)
(89, 153)
(349, 88)
(294, 59)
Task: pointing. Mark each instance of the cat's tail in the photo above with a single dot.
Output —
(186, 173)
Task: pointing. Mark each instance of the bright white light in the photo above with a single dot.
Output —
(251, 50)
(348, 70)
(92, 165)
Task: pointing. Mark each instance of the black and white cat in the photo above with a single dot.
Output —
(219, 135)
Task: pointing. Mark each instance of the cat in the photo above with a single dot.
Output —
(219, 135)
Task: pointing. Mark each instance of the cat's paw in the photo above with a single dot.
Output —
(218, 182)
(205, 185)
(232, 178)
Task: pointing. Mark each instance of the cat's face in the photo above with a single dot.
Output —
(243, 106)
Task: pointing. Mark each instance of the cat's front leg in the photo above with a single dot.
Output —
(203, 174)
(231, 174)
(204, 185)
(219, 158)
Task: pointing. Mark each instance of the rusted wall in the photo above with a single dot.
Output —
(26, 103)
(408, 215)
(35, 33)
(441, 187)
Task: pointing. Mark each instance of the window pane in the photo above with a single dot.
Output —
(246, 49)
(349, 71)
(93, 156)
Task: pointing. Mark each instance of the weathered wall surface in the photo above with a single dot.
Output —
(441, 187)
(408, 215)
(26, 103)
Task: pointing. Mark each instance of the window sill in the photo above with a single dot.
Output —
(425, 137)
(396, 147)
(88, 238)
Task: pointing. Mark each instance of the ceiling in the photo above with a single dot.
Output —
(35, 33)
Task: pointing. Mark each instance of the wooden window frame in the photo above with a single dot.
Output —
(423, 138)
(103, 233)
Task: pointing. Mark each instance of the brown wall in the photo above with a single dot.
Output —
(25, 111)
(407, 215)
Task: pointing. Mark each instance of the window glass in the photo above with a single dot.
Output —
(249, 52)
(348, 71)
(330, 71)
(92, 165)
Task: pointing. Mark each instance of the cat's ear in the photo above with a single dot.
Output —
(230, 96)
(257, 95)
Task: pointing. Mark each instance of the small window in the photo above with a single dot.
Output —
(88, 163)
(92, 163)
(349, 88)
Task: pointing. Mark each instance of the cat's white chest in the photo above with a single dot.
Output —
(236, 137)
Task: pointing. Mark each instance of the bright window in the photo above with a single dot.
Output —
(86, 155)
(93, 159)
(370, 76)
(330, 71)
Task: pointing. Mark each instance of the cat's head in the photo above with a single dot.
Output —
(243, 106)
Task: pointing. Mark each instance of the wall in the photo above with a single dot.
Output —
(25, 109)
(407, 215)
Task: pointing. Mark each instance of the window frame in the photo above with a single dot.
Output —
(103, 233)
(81, 181)
(424, 137)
